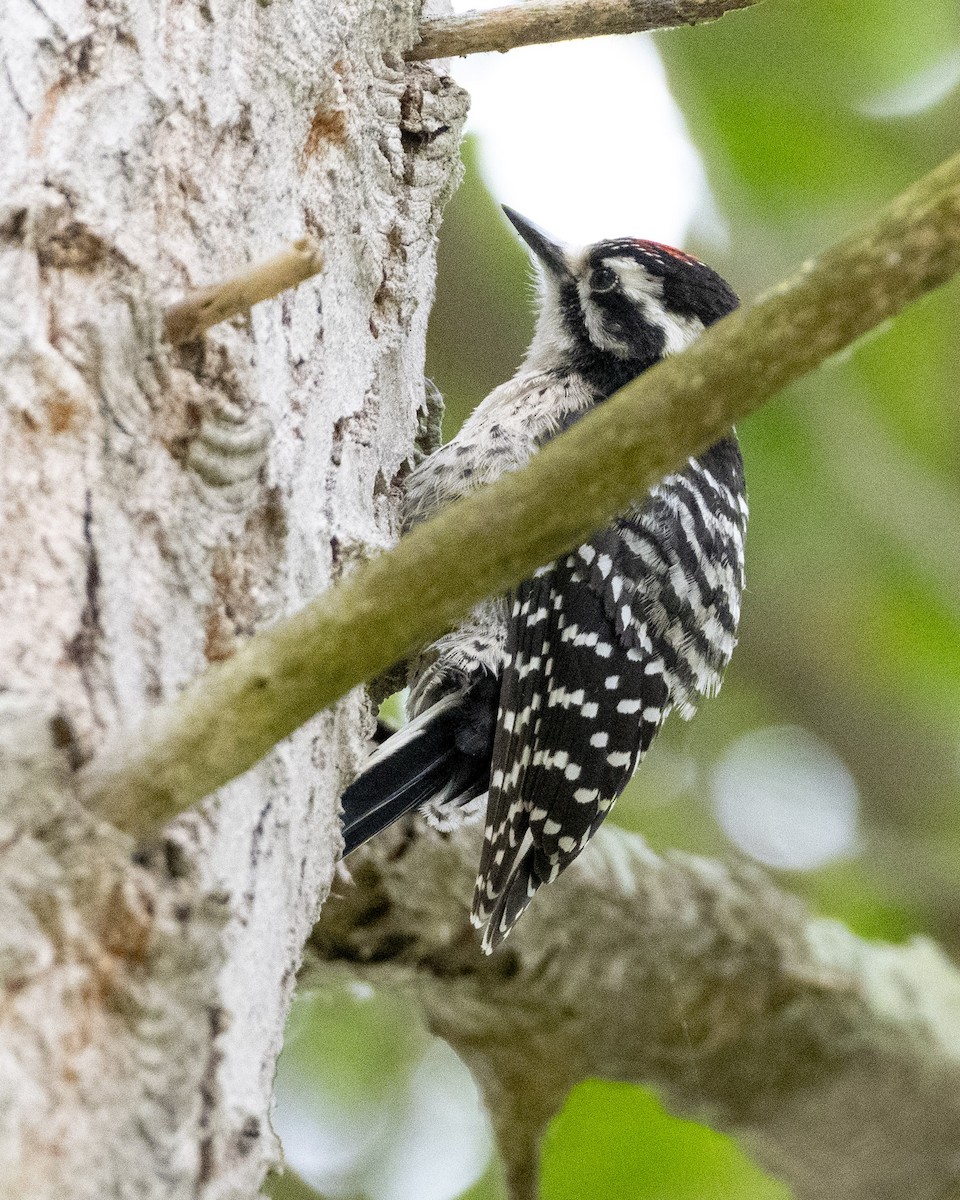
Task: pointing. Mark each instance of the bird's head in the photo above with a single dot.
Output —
(614, 308)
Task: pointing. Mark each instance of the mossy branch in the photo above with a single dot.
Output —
(234, 713)
(288, 1185)
(535, 24)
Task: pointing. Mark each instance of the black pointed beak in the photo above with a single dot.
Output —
(547, 251)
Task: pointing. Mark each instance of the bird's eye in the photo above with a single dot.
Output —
(604, 279)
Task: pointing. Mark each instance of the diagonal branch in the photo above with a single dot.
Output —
(836, 1061)
(534, 24)
(233, 714)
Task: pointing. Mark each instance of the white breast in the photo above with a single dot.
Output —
(502, 434)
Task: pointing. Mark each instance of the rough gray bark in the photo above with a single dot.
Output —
(835, 1061)
(158, 505)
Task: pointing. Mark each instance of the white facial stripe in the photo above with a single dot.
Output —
(646, 291)
(593, 319)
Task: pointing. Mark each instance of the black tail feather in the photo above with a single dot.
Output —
(418, 762)
(381, 796)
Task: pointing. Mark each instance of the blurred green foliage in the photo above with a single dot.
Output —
(616, 1140)
(809, 115)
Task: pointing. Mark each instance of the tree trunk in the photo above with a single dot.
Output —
(158, 506)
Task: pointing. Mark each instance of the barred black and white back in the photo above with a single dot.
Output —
(602, 645)
(542, 705)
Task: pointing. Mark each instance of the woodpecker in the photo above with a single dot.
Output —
(540, 705)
